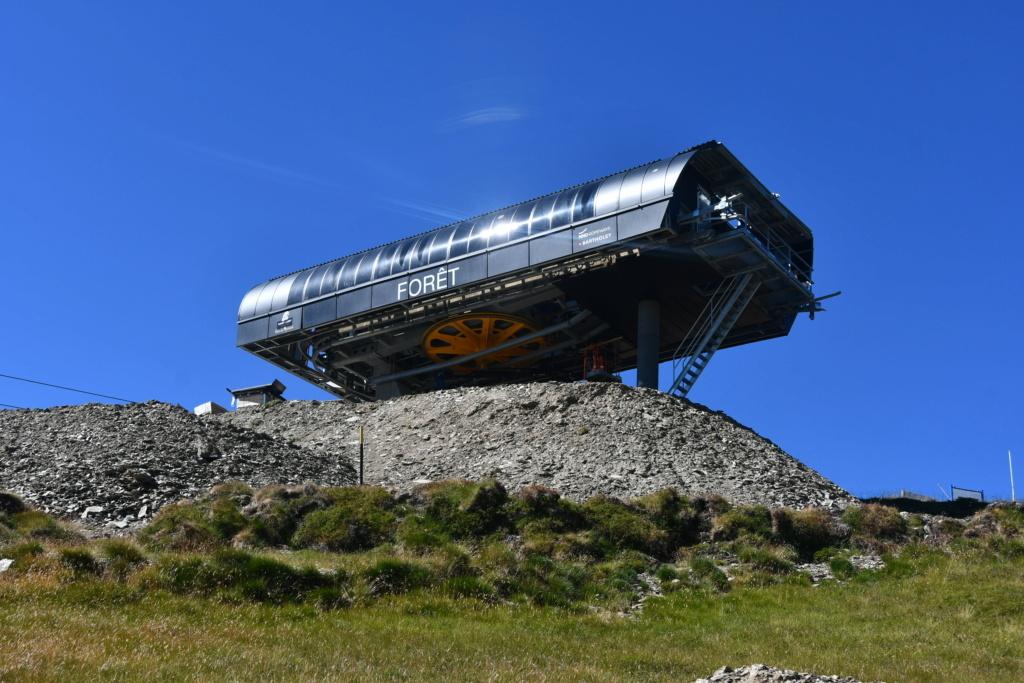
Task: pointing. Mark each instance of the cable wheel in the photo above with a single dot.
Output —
(473, 332)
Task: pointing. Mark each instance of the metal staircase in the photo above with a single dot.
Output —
(710, 329)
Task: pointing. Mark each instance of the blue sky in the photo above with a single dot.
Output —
(158, 159)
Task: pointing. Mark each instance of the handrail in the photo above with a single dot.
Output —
(705, 319)
(774, 245)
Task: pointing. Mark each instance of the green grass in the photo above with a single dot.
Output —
(930, 617)
(461, 580)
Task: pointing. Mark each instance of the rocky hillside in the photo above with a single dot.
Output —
(582, 439)
(115, 465)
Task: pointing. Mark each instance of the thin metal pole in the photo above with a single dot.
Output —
(1013, 492)
(360, 455)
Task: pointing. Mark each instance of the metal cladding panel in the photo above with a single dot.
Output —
(430, 281)
(467, 270)
(540, 218)
(639, 221)
(353, 302)
(439, 246)
(251, 331)
(320, 312)
(385, 293)
(629, 193)
(363, 269)
(385, 261)
(586, 201)
(324, 279)
(508, 259)
(654, 182)
(607, 198)
(675, 167)
(561, 213)
(266, 297)
(285, 321)
(520, 224)
(550, 247)
(297, 292)
(650, 184)
(331, 282)
(345, 278)
(594, 235)
(281, 292)
(460, 239)
(478, 237)
(498, 233)
(247, 308)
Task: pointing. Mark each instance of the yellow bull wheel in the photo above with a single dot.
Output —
(473, 332)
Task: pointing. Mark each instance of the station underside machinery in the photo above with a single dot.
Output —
(668, 261)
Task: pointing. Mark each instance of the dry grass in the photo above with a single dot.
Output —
(933, 618)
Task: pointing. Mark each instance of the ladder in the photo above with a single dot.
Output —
(710, 329)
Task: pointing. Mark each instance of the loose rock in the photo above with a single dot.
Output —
(582, 439)
(119, 464)
(759, 673)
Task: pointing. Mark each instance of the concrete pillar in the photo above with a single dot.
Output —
(648, 341)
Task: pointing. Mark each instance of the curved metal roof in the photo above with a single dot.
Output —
(629, 189)
(626, 190)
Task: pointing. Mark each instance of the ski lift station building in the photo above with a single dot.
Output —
(668, 261)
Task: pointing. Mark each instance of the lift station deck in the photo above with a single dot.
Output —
(668, 261)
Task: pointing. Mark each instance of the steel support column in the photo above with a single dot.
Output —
(648, 343)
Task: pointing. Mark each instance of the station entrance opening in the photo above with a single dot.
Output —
(669, 261)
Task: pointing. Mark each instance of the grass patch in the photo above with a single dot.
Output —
(875, 523)
(358, 518)
(624, 527)
(396, 576)
(240, 576)
(33, 524)
(532, 585)
(743, 520)
(947, 620)
(808, 531)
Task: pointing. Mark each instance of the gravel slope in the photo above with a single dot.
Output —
(581, 439)
(126, 458)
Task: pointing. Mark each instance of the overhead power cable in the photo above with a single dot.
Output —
(59, 386)
(8, 405)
